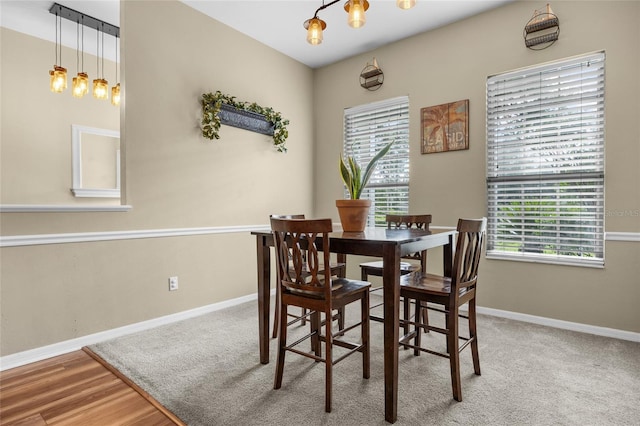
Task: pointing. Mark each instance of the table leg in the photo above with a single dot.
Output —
(391, 286)
(264, 289)
(342, 258)
(447, 256)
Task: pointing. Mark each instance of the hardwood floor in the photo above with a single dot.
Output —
(74, 389)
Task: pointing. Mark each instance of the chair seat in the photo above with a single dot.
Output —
(427, 283)
(348, 287)
(404, 266)
(340, 288)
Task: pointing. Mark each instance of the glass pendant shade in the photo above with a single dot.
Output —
(100, 88)
(80, 85)
(314, 30)
(405, 4)
(58, 79)
(356, 9)
(115, 95)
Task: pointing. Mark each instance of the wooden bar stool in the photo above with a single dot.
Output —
(305, 280)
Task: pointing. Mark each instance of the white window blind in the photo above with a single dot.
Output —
(545, 162)
(367, 129)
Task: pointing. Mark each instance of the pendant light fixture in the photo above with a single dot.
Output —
(405, 4)
(58, 75)
(115, 90)
(356, 9)
(100, 85)
(356, 17)
(81, 81)
(314, 27)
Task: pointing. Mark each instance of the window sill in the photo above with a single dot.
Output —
(57, 208)
(532, 258)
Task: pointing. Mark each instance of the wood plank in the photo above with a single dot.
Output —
(74, 389)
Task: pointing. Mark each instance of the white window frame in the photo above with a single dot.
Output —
(367, 128)
(545, 162)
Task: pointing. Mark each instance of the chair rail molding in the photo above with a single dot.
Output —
(85, 237)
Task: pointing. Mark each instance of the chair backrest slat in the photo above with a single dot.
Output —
(396, 221)
(301, 266)
(420, 221)
(471, 236)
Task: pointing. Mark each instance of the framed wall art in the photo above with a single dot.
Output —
(444, 127)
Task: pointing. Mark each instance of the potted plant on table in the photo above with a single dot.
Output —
(354, 211)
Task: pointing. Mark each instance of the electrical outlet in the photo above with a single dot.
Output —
(173, 283)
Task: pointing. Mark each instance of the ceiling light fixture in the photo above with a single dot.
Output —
(58, 75)
(355, 19)
(356, 9)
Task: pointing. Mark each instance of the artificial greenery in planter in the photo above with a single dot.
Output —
(212, 102)
(354, 211)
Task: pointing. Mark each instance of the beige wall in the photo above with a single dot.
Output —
(452, 63)
(35, 138)
(177, 179)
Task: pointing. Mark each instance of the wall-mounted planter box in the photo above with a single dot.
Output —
(245, 120)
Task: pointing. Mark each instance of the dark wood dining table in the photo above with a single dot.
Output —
(388, 244)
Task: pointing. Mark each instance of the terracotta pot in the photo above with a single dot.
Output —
(353, 214)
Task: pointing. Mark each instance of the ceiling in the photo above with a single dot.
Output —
(276, 23)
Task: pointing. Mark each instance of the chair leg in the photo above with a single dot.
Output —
(276, 315)
(425, 315)
(328, 349)
(473, 335)
(304, 313)
(407, 316)
(315, 328)
(282, 344)
(365, 332)
(418, 329)
(454, 353)
(447, 326)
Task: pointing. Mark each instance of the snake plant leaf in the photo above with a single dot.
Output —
(346, 175)
(351, 172)
(372, 164)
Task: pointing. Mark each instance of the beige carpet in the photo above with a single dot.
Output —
(206, 370)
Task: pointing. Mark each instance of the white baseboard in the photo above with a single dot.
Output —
(38, 354)
(565, 325)
(44, 352)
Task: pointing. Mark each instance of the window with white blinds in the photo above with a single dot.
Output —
(545, 162)
(367, 129)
